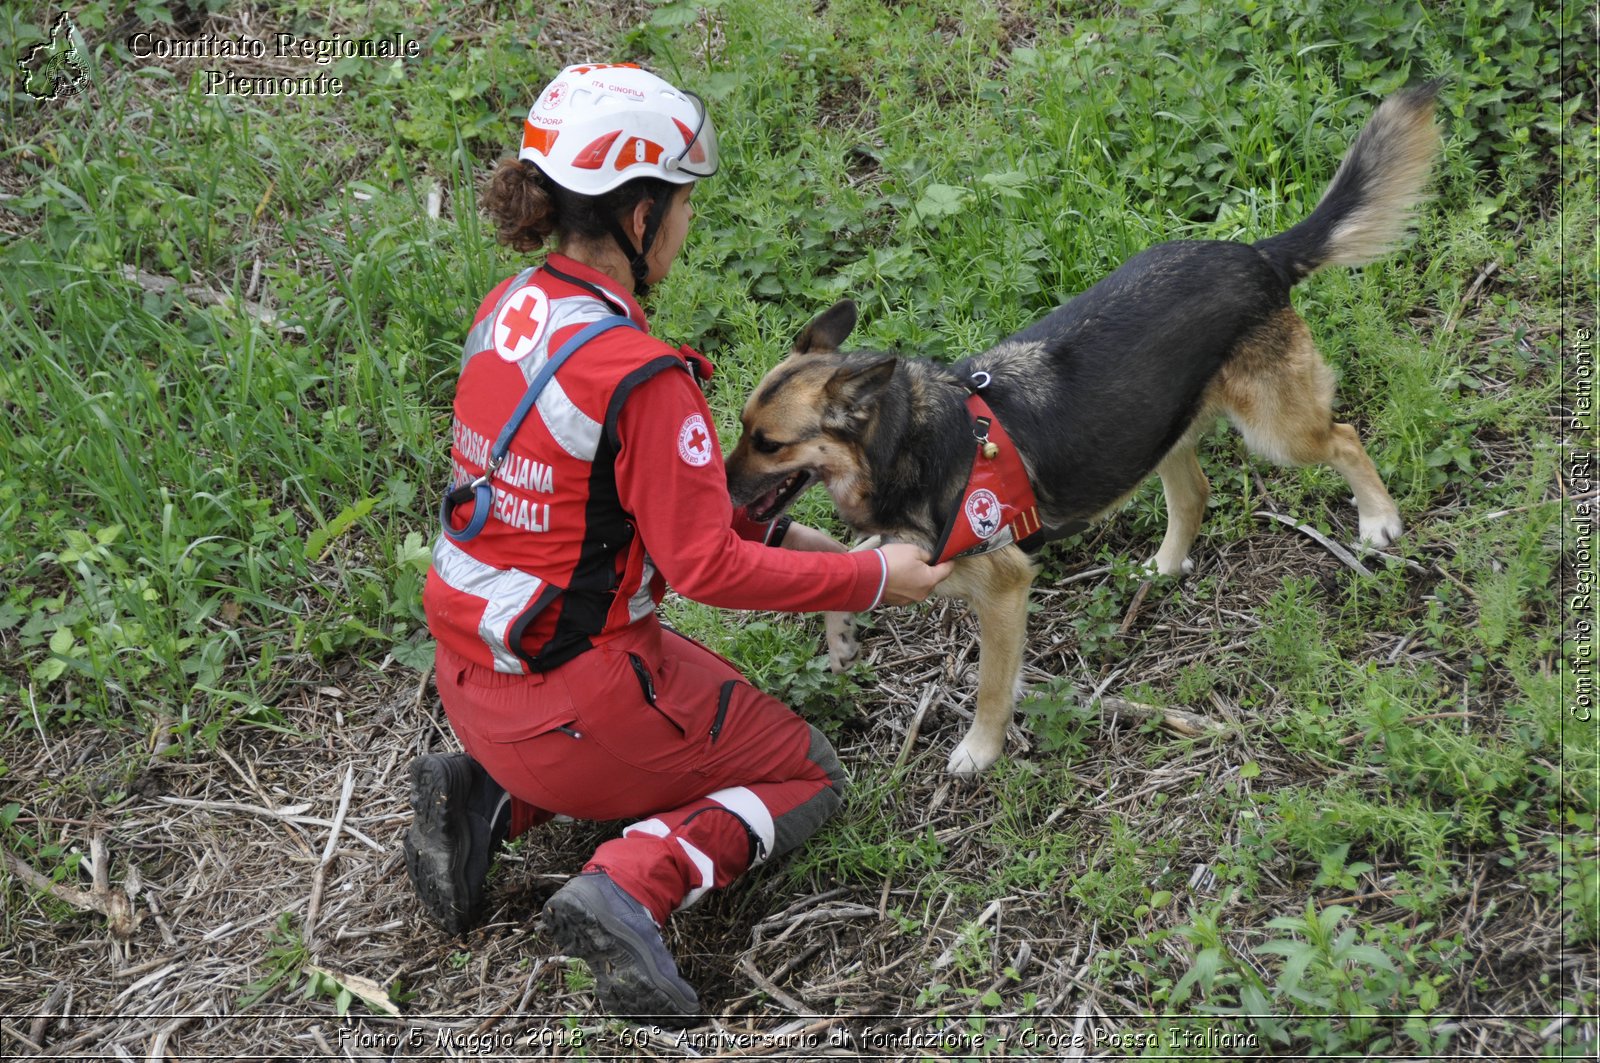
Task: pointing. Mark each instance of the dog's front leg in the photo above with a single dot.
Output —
(997, 586)
(842, 645)
(840, 628)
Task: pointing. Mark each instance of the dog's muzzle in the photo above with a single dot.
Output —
(769, 505)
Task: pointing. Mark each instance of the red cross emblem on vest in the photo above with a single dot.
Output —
(520, 322)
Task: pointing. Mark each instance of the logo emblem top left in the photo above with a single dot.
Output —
(55, 68)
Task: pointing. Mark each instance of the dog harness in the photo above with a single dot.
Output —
(996, 507)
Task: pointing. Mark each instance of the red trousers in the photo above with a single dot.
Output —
(654, 727)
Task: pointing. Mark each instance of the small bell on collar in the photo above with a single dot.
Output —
(990, 449)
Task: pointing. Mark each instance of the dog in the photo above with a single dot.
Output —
(1120, 381)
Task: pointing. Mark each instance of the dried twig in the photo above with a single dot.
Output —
(1189, 724)
(12, 1033)
(1134, 607)
(199, 293)
(1328, 544)
(915, 727)
(121, 919)
(947, 957)
(158, 1044)
(288, 814)
(763, 983)
(1471, 294)
(41, 1021)
(319, 878)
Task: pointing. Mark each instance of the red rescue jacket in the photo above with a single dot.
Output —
(613, 487)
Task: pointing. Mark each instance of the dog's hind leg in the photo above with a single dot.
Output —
(1341, 448)
(1187, 490)
(1279, 393)
(996, 585)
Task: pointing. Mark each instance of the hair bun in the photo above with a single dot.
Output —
(519, 200)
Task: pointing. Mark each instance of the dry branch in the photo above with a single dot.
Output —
(1328, 544)
(199, 293)
(320, 877)
(119, 914)
(1186, 723)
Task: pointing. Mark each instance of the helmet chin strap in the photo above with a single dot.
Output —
(637, 263)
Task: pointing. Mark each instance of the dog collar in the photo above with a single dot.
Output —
(996, 507)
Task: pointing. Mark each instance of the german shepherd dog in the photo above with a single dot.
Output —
(1120, 381)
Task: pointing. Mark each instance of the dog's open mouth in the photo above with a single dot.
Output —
(772, 504)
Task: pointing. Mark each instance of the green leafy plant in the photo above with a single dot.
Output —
(284, 963)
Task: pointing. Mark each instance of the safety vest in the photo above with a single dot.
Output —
(556, 564)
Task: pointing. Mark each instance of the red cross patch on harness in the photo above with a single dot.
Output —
(983, 512)
(694, 441)
(997, 505)
(520, 322)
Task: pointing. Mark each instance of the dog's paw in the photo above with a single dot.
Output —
(843, 649)
(1157, 567)
(1381, 532)
(972, 757)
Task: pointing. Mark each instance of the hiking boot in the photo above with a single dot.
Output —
(461, 818)
(593, 919)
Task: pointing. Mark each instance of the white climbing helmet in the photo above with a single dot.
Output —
(596, 126)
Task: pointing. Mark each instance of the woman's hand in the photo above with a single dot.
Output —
(911, 578)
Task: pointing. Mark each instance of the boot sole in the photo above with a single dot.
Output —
(626, 980)
(436, 864)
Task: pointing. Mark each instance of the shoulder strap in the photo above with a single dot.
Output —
(480, 489)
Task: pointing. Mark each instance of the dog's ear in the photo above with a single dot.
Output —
(855, 385)
(828, 330)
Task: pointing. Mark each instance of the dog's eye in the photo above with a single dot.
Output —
(764, 445)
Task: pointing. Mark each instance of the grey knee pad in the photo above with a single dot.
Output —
(800, 823)
(823, 756)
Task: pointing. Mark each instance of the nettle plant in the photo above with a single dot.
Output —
(1330, 982)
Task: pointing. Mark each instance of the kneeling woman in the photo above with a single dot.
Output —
(587, 477)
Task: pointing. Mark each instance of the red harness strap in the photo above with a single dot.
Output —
(997, 506)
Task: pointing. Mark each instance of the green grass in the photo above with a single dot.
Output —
(203, 513)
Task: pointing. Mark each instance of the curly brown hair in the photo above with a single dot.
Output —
(527, 207)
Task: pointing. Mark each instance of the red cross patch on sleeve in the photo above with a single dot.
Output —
(694, 441)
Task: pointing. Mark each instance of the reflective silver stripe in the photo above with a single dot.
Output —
(576, 432)
(506, 593)
(481, 336)
(743, 802)
(653, 827)
(641, 604)
(708, 874)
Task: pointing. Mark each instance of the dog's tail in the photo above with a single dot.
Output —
(1369, 205)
